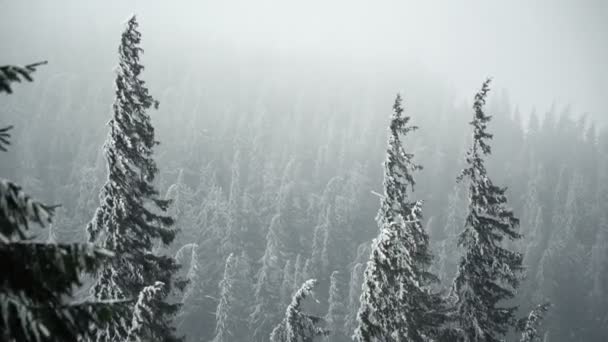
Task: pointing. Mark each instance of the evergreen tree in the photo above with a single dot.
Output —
(131, 216)
(396, 303)
(231, 242)
(530, 329)
(298, 271)
(143, 313)
(488, 274)
(224, 315)
(37, 291)
(319, 257)
(354, 292)
(298, 326)
(336, 311)
(266, 297)
(287, 284)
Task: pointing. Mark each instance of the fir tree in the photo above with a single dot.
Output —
(131, 216)
(143, 313)
(266, 297)
(37, 291)
(354, 292)
(396, 303)
(531, 324)
(231, 240)
(288, 283)
(224, 315)
(298, 271)
(319, 258)
(336, 311)
(298, 326)
(488, 273)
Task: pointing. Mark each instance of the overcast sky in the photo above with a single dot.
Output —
(539, 51)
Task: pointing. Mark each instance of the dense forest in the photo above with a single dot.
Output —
(200, 214)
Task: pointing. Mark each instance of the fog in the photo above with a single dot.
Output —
(272, 121)
(541, 52)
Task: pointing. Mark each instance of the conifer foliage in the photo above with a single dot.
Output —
(225, 312)
(13, 73)
(530, 329)
(396, 303)
(488, 273)
(143, 312)
(336, 310)
(38, 279)
(131, 217)
(298, 326)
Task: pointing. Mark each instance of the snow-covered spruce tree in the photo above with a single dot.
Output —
(354, 292)
(318, 259)
(488, 273)
(36, 293)
(298, 271)
(298, 326)
(287, 283)
(396, 302)
(143, 313)
(225, 325)
(336, 311)
(231, 240)
(266, 297)
(131, 217)
(531, 324)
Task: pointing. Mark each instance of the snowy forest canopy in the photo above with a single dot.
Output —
(256, 201)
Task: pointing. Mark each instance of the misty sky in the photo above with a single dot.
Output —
(539, 51)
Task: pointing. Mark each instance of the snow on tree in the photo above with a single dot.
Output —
(298, 271)
(192, 275)
(224, 314)
(298, 326)
(143, 313)
(231, 241)
(336, 311)
(319, 258)
(397, 303)
(531, 324)
(131, 216)
(287, 283)
(354, 292)
(37, 301)
(488, 273)
(37, 291)
(266, 297)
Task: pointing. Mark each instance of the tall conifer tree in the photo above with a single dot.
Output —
(298, 326)
(131, 217)
(396, 303)
(488, 273)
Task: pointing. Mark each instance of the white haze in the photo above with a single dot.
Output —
(540, 52)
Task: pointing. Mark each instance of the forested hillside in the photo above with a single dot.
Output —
(217, 210)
